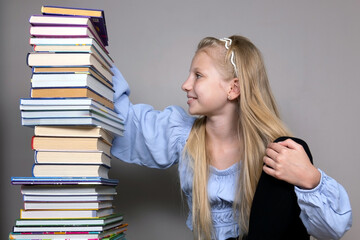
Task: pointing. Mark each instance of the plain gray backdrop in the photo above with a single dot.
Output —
(311, 51)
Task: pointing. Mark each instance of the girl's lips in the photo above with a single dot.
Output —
(190, 100)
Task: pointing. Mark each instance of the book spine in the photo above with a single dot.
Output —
(32, 142)
(33, 169)
(35, 156)
(21, 213)
(97, 37)
(27, 59)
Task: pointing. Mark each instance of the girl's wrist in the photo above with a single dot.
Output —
(313, 179)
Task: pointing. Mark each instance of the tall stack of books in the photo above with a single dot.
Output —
(70, 194)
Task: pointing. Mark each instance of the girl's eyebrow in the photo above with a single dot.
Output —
(196, 69)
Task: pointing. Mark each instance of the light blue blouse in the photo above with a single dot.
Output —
(156, 139)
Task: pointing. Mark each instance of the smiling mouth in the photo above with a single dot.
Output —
(190, 100)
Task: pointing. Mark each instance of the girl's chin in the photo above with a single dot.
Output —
(193, 112)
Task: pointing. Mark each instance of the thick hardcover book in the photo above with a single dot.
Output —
(32, 104)
(73, 80)
(71, 76)
(90, 213)
(94, 113)
(81, 121)
(63, 181)
(66, 228)
(70, 170)
(70, 144)
(69, 157)
(66, 206)
(34, 198)
(73, 92)
(67, 189)
(97, 17)
(72, 131)
(49, 59)
(71, 222)
(111, 234)
(86, 70)
(71, 45)
(63, 31)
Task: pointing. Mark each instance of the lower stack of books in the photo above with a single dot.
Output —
(68, 208)
(70, 194)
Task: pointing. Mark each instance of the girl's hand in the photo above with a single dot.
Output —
(289, 162)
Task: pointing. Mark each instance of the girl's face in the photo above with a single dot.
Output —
(206, 87)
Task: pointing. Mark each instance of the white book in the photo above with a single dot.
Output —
(115, 128)
(107, 118)
(26, 214)
(35, 198)
(76, 131)
(77, 222)
(62, 104)
(72, 157)
(71, 114)
(58, 80)
(50, 59)
(66, 228)
(66, 205)
(61, 41)
(67, 190)
(69, 170)
(67, 236)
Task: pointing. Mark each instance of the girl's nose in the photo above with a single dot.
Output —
(186, 86)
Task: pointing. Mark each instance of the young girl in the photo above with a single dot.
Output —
(221, 154)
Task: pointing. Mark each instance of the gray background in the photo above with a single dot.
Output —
(311, 50)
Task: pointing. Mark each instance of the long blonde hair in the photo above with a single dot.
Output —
(258, 125)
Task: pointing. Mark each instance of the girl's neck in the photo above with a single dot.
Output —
(223, 142)
(222, 128)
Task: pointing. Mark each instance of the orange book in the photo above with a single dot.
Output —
(70, 144)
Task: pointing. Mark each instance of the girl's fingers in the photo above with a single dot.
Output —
(289, 143)
(271, 153)
(277, 147)
(269, 162)
(269, 170)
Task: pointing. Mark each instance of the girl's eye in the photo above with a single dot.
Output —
(197, 75)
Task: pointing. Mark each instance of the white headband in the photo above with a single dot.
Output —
(228, 42)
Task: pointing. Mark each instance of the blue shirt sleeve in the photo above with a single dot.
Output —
(325, 210)
(152, 138)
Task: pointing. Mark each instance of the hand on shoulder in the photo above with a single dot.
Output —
(288, 161)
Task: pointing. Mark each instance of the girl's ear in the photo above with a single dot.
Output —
(234, 89)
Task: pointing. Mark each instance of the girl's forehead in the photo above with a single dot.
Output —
(202, 59)
(211, 58)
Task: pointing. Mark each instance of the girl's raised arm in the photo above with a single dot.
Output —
(152, 138)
